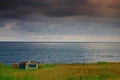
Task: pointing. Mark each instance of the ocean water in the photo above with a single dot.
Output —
(59, 53)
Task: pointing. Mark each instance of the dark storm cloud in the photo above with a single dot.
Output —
(14, 8)
(11, 4)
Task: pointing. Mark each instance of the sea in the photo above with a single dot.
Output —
(59, 52)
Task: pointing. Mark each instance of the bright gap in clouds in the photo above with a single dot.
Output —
(62, 38)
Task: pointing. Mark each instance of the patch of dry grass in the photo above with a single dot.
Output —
(109, 71)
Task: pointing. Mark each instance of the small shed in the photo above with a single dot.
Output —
(29, 65)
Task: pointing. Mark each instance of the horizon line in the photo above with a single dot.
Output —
(60, 41)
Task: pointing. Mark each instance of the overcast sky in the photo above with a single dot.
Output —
(60, 20)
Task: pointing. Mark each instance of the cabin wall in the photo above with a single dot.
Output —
(22, 66)
(31, 67)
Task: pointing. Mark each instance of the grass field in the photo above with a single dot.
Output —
(96, 71)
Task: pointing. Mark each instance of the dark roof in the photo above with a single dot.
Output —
(28, 62)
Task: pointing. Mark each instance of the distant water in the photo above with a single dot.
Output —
(11, 52)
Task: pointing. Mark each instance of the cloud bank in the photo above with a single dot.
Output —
(60, 20)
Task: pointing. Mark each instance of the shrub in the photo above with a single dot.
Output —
(15, 65)
(1, 64)
(103, 62)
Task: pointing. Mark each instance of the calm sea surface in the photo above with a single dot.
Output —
(11, 52)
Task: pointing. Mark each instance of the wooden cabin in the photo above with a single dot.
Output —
(27, 65)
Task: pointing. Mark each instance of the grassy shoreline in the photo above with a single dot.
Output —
(95, 71)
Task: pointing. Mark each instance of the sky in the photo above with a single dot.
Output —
(60, 20)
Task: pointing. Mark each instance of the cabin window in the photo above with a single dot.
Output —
(32, 65)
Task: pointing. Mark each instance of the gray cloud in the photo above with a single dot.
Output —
(64, 26)
(75, 28)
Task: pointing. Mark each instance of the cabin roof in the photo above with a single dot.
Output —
(29, 62)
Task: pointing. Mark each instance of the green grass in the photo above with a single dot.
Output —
(46, 66)
(96, 71)
(103, 62)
